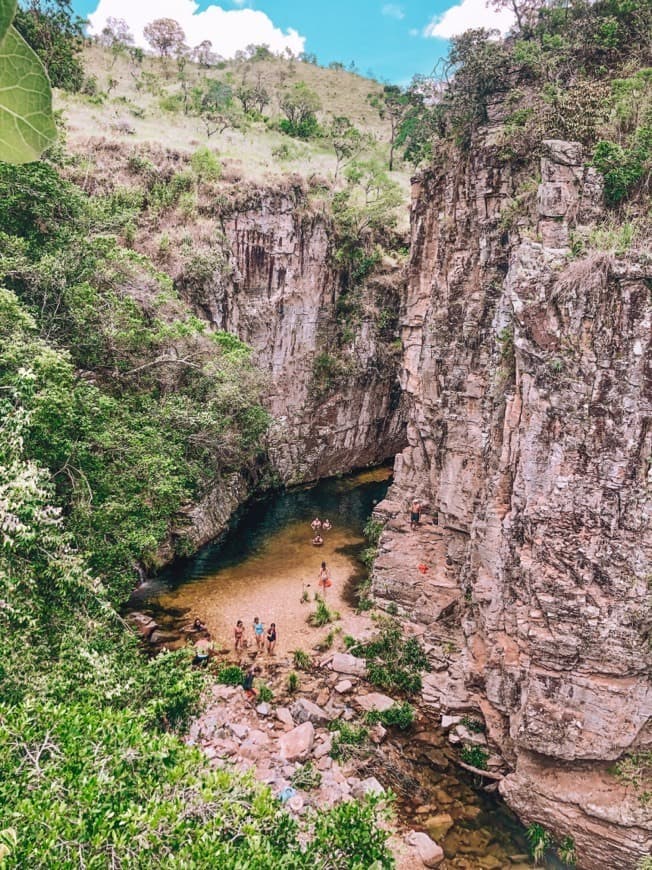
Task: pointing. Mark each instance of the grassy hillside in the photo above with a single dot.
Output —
(134, 103)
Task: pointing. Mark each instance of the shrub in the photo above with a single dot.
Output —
(230, 675)
(394, 662)
(566, 851)
(539, 840)
(623, 168)
(349, 740)
(473, 725)
(306, 777)
(265, 694)
(327, 642)
(323, 614)
(399, 716)
(475, 756)
(206, 165)
(302, 661)
(292, 682)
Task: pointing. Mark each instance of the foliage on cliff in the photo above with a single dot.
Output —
(116, 408)
(577, 70)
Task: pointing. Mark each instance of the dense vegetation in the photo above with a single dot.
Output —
(118, 408)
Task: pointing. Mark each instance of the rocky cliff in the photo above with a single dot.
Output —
(334, 391)
(528, 382)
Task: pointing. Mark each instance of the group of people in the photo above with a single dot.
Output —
(263, 639)
(318, 525)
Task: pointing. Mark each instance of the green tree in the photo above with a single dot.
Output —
(393, 105)
(300, 105)
(56, 34)
(212, 101)
(347, 141)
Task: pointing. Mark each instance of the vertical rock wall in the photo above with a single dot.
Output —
(279, 293)
(528, 383)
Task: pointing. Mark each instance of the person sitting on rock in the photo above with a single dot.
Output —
(248, 682)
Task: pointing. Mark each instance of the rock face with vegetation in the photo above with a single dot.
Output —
(527, 352)
(327, 345)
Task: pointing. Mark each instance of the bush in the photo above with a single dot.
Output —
(302, 661)
(475, 756)
(349, 740)
(306, 777)
(623, 168)
(400, 716)
(394, 662)
(292, 682)
(206, 165)
(539, 840)
(265, 694)
(323, 614)
(230, 675)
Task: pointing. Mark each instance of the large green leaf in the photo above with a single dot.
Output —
(7, 12)
(26, 123)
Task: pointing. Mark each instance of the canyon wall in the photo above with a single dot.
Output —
(335, 400)
(529, 394)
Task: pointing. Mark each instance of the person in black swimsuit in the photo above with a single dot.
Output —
(271, 638)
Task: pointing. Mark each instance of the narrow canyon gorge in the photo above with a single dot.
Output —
(520, 413)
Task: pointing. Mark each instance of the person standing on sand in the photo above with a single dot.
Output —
(324, 577)
(259, 634)
(271, 639)
(415, 513)
(239, 635)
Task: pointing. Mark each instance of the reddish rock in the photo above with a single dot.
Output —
(297, 744)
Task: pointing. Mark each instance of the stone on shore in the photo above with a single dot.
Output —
(304, 710)
(345, 663)
(375, 701)
(297, 744)
(430, 853)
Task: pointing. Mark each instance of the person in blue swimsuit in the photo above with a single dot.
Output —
(259, 634)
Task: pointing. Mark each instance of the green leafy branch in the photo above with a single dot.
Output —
(27, 125)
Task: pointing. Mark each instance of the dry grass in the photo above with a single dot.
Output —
(132, 114)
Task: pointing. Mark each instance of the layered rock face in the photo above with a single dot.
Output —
(335, 403)
(529, 387)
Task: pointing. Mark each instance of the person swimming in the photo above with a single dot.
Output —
(326, 525)
(316, 524)
(317, 541)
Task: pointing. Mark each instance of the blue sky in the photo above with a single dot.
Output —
(394, 39)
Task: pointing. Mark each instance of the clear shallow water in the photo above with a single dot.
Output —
(264, 563)
(260, 568)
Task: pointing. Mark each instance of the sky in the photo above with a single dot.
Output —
(391, 40)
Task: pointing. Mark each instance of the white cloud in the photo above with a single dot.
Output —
(392, 10)
(467, 14)
(228, 30)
